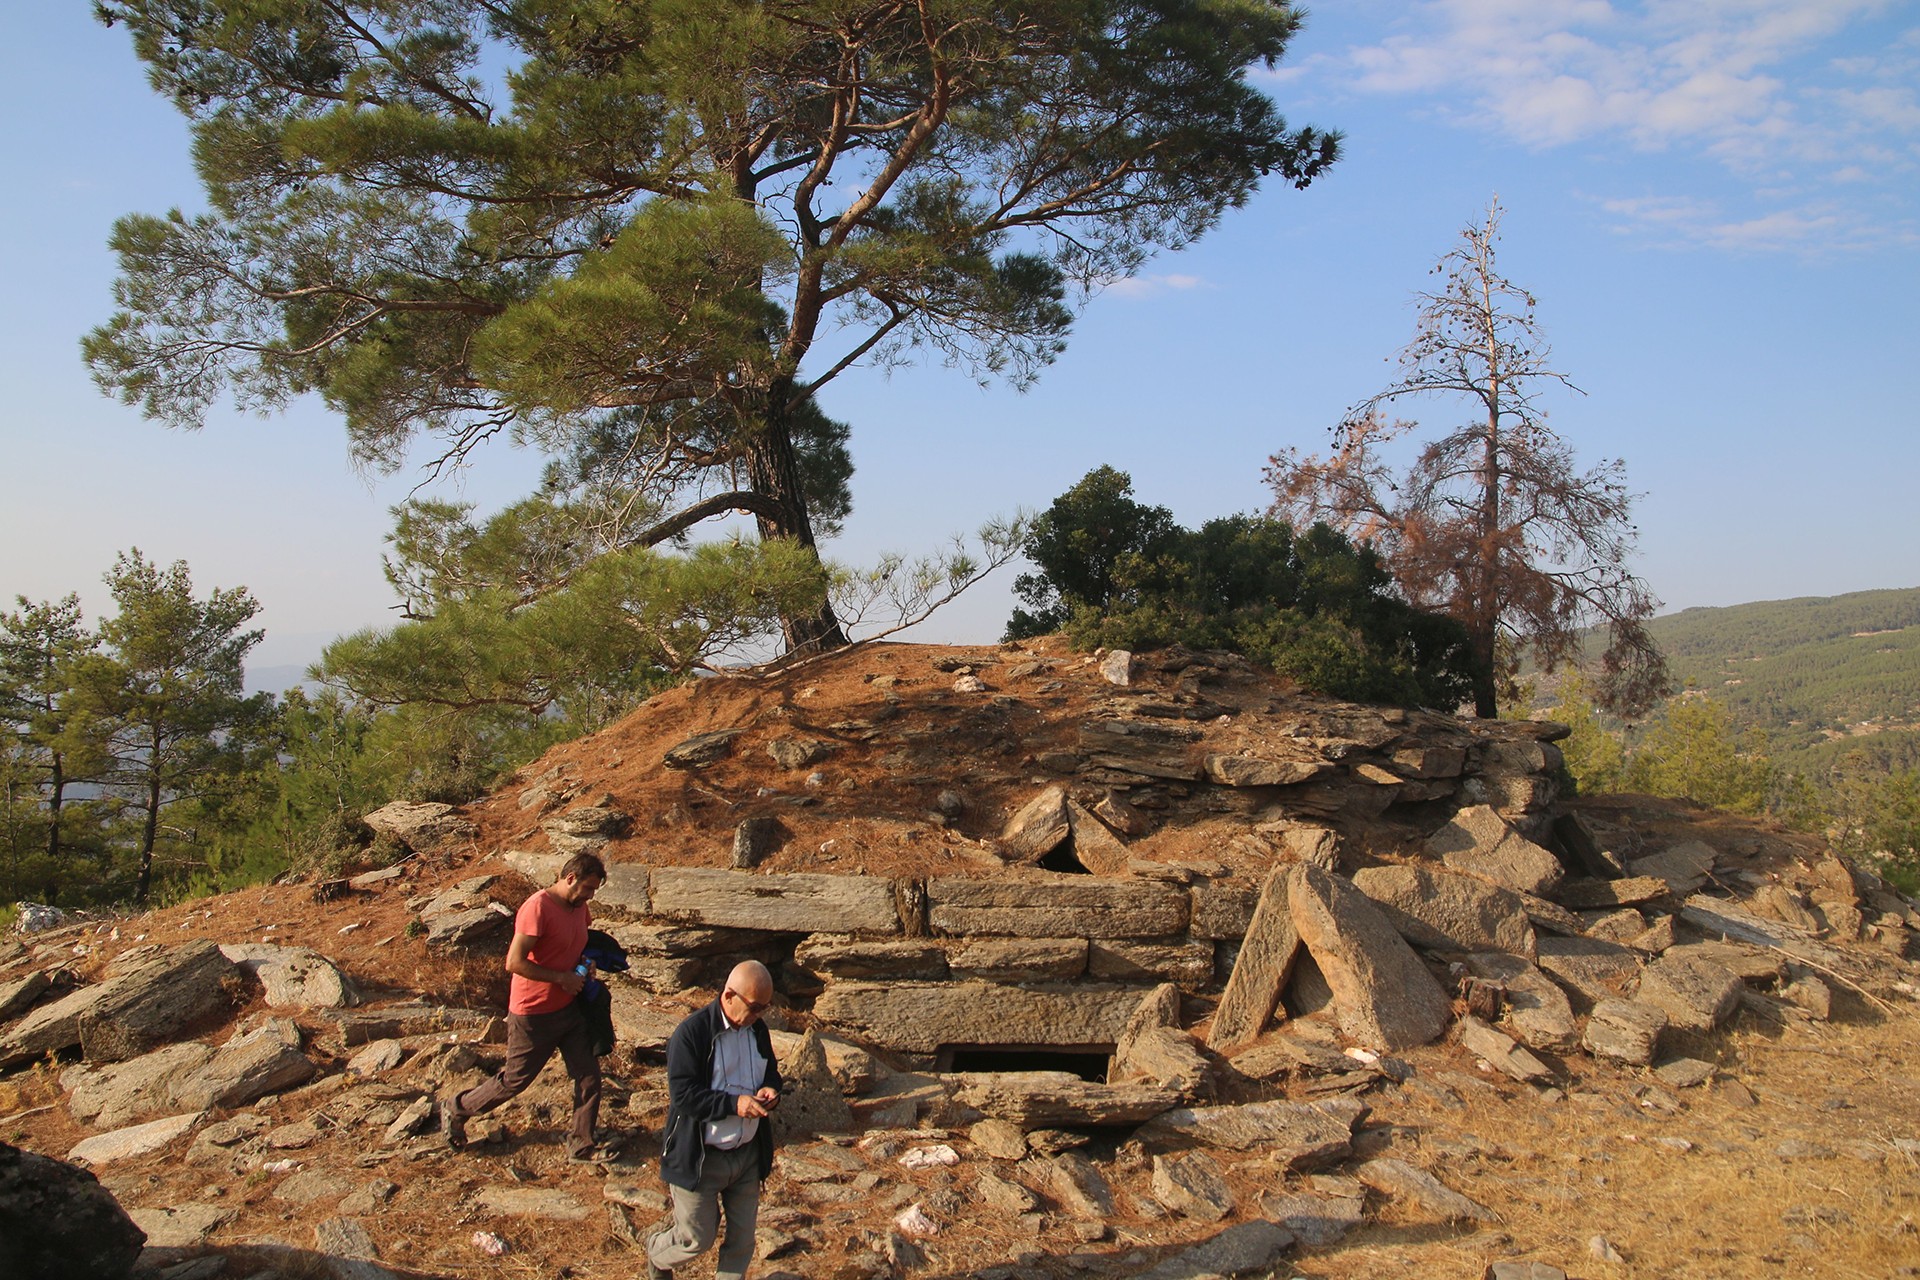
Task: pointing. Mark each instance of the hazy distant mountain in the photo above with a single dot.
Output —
(1821, 675)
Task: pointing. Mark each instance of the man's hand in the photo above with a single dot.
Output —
(753, 1107)
(571, 982)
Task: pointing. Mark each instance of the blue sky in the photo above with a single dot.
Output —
(1717, 205)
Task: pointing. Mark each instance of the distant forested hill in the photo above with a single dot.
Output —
(1822, 675)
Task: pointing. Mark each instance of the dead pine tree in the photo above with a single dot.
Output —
(1491, 522)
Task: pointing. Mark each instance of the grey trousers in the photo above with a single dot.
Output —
(729, 1180)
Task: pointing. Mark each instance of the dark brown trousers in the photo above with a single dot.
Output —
(531, 1040)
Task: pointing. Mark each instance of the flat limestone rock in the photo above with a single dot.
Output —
(1444, 912)
(1015, 959)
(1624, 1030)
(294, 977)
(122, 1144)
(1049, 1099)
(1297, 1135)
(1696, 994)
(1500, 1050)
(923, 1017)
(1188, 965)
(181, 1227)
(796, 903)
(1384, 996)
(426, 828)
(364, 1025)
(1077, 1183)
(1153, 1048)
(17, 996)
(1400, 1180)
(1245, 1248)
(1684, 867)
(848, 957)
(1317, 1221)
(49, 1028)
(1480, 842)
(115, 1095)
(1588, 969)
(1260, 971)
(1222, 908)
(1192, 1185)
(1253, 771)
(514, 1201)
(1133, 747)
(1535, 1010)
(1588, 895)
(1056, 907)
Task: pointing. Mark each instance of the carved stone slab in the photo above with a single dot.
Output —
(776, 903)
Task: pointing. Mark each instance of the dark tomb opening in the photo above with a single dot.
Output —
(1062, 860)
(1089, 1066)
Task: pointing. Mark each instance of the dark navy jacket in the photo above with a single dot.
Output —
(692, 1100)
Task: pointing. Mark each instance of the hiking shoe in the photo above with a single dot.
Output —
(453, 1125)
(604, 1152)
(657, 1273)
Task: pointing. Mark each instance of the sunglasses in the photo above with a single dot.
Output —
(751, 1006)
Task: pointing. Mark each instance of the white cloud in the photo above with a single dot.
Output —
(1148, 286)
(1757, 85)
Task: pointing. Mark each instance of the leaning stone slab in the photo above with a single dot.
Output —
(1297, 1135)
(1154, 1048)
(1095, 846)
(155, 1002)
(1015, 959)
(293, 977)
(1054, 1099)
(1037, 828)
(1444, 912)
(1480, 842)
(1400, 1180)
(923, 1017)
(642, 1027)
(1056, 907)
(843, 956)
(812, 1102)
(17, 997)
(1695, 993)
(1383, 995)
(1624, 1030)
(1245, 1248)
(1260, 971)
(49, 1028)
(799, 903)
(1536, 1010)
(1588, 969)
(122, 1144)
(701, 749)
(470, 928)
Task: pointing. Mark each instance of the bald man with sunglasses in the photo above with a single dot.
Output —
(722, 1088)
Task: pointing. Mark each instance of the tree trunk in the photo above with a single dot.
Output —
(150, 831)
(774, 472)
(58, 786)
(1483, 642)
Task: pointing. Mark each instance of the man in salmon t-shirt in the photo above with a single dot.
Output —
(549, 933)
